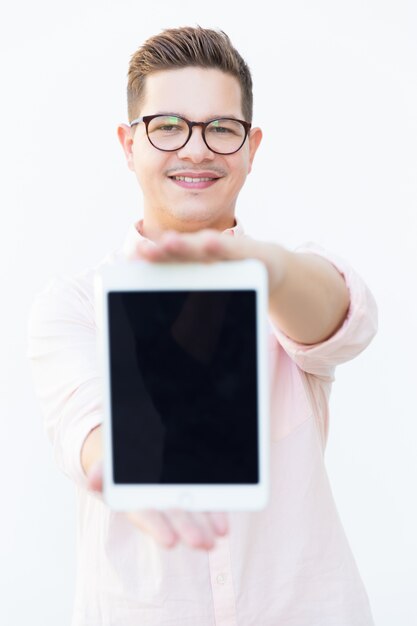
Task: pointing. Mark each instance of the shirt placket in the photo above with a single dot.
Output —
(222, 584)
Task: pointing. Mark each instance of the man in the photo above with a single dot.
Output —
(191, 146)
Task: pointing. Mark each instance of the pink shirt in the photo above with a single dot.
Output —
(288, 565)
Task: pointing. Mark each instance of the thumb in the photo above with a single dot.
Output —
(95, 477)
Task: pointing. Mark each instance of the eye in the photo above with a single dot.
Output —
(169, 127)
(220, 130)
(226, 128)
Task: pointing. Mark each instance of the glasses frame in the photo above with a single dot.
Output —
(148, 118)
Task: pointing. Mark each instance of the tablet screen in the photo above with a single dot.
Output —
(183, 385)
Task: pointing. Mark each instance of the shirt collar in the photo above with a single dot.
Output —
(135, 234)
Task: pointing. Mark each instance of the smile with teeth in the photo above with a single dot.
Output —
(188, 179)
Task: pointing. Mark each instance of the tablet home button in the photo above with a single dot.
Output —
(185, 500)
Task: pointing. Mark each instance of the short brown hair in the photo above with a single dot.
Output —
(183, 47)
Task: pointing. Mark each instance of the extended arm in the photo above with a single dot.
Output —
(308, 301)
(308, 298)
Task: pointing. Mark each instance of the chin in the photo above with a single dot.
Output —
(195, 214)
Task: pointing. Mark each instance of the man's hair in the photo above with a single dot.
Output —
(176, 48)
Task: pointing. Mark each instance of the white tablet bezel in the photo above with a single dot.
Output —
(142, 275)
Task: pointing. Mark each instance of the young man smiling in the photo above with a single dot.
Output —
(191, 145)
(194, 93)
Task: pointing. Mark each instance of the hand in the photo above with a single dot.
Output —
(308, 297)
(209, 245)
(168, 528)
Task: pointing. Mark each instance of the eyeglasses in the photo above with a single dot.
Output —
(170, 132)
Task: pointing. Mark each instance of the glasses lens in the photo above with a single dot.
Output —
(168, 132)
(225, 135)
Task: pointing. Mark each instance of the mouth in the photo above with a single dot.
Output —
(195, 182)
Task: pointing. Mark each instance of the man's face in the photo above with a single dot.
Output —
(198, 95)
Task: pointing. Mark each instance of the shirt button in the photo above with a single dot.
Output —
(221, 579)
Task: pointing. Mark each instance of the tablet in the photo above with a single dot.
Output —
(185, 384)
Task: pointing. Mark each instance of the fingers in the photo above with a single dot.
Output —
(191, 530)
(138, 251)
(219, 522)
(204, 246)
(196, 530)
(181, 247)
(156, 525)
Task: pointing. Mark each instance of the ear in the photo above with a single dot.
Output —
(126, 136)
(255, 137)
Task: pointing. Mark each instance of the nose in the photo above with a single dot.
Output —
(195, 149)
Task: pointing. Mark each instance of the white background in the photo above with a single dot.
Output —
(335, 88)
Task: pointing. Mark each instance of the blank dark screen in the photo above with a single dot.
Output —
(183, 387)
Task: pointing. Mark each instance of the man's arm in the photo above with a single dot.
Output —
(62, 348)
(92, 450)
(195, 529)
(308, 297)
(308, 301)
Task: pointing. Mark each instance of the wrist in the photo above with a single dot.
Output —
(276, 259)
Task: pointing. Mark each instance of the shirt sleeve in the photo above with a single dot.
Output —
(62, 350)
(355, 334)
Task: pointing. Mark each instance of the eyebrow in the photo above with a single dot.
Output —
(211, 117)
